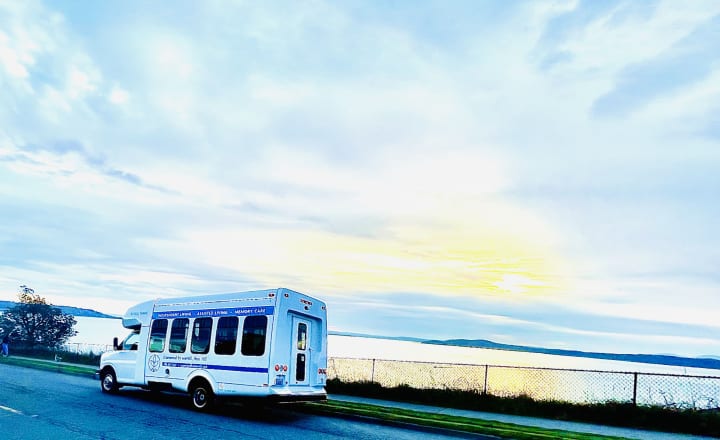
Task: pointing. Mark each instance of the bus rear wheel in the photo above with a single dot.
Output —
(202, 396)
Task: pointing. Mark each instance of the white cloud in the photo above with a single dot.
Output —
(11, 60)
(617, 38)
(118, 95)
(80, 82)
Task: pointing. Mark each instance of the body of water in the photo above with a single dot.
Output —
(100, 332)
(498, 372)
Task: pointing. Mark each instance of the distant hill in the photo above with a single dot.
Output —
(709, 361)
(75, 311)
(659, 359)
(361, 335)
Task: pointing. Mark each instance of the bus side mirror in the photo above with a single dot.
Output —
(116, 346)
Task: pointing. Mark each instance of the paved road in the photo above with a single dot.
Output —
(36, 404)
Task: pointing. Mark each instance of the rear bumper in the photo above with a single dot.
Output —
(293, 398)
(275, 399)
(296, 394)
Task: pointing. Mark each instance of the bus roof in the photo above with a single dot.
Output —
(141, 314)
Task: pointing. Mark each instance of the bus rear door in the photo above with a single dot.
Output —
(300, 356)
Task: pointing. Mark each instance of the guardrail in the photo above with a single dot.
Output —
(577, 386)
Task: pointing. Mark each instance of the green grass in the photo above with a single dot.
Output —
(623, 414)
(49, 366)
(47, 353)
(443, 421)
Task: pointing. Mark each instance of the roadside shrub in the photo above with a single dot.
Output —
(50, 354)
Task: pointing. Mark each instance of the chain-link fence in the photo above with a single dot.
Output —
(577, 386)
(82, 348)
(73, 352)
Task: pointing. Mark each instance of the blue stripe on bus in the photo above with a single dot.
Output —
(230, 311)
(232, 368)
(217, 367)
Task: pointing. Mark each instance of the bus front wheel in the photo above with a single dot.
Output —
(108, 381)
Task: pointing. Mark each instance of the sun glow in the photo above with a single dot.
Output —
(513, 283)
(447, 262)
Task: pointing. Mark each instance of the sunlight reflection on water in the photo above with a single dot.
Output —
(510, 373)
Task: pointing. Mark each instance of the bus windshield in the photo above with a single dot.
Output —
(131, 342)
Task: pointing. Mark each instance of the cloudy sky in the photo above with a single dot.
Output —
(539, 173)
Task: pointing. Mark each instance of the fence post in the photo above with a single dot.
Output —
(635, 377)
(372, 375)
(487, 367)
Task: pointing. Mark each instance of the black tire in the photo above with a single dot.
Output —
(202, 396)
(108, 381)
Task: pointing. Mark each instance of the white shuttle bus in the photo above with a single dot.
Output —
(266, 343)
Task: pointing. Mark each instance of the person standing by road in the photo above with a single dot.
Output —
(5, 344)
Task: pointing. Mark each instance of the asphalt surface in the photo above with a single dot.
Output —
(37, 404)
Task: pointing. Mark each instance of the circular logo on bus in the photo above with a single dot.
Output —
(154, 363)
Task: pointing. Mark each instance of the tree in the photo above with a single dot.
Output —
(35, 323)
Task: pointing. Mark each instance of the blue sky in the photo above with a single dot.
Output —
(539, 173)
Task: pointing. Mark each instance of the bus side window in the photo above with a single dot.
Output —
(178, 335)
(157, 335)
(253, 339)
(226, 335)
(202, 329)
